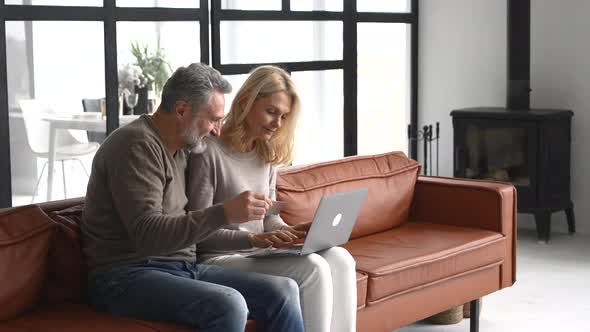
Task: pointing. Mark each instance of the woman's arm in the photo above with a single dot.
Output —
(201, 186)
(273, 222)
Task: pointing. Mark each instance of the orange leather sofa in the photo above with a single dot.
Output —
(42, 278)
(422, 245)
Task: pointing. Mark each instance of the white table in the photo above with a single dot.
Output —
(84, 121)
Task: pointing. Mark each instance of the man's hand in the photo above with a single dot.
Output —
(278, 238)
(246, 206)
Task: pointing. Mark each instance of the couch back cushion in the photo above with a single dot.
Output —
(25, 234)
(390, 178)
(66, 275)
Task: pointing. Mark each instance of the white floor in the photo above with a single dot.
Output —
(552, 290)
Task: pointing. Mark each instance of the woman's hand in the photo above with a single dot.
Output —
(303, 227)
(299, 231)
(277, 238)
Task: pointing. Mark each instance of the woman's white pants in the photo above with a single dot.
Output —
(327, 284)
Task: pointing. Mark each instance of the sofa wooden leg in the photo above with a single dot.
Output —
(474, 316)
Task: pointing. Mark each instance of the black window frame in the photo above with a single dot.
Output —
(110, 14)
(349, 18)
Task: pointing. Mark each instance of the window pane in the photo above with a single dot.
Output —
(251, 4)
(241, 42)
(47, 79)
(383, 87)
(379, 6)
(82, 3)
(319, 135)
(236, 82)
(175, 43)
(326, 5)
(159, 3)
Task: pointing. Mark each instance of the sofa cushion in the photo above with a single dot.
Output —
(25, 234)
(419, 254)
(63, 204)
(73, 215)
(78, 317)
(390, 178)
(66, 277)
(361, 290)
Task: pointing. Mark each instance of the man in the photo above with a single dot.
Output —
(138, 240)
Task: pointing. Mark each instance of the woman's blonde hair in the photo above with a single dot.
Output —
(263, 81)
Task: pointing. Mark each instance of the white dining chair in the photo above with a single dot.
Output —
(68, 147)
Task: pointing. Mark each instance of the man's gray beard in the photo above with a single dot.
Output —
(194, 143)
(198, 146)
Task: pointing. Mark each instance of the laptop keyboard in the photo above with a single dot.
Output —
(265, 252)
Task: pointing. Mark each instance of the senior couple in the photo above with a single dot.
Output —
(175, 198)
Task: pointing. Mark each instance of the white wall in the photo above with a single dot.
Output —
(462, 63)
(560, 78)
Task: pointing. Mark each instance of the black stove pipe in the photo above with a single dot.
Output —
(519, 55)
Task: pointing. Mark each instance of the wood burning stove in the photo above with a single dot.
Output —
(527, 147)
(530, 149)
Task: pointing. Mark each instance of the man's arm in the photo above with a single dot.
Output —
(137, 181)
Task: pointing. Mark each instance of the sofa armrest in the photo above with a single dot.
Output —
(470, 203)
(466, 203)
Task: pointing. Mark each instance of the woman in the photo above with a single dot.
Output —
(256, 137)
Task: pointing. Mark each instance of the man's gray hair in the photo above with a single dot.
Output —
(194, 84)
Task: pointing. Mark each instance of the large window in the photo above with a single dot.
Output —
(66, 61)
(64, 89)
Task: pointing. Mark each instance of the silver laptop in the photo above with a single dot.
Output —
(332, 224)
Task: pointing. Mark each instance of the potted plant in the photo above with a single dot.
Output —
(155, 68)
(131, 81)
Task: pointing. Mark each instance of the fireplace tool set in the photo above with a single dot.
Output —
(427, 135)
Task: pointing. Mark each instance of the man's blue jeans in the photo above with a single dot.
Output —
(206, 297)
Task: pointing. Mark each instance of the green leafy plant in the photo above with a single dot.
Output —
(154, 65)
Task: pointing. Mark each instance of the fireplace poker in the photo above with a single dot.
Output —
(425, 143)
(437, 138)
(430, 147)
